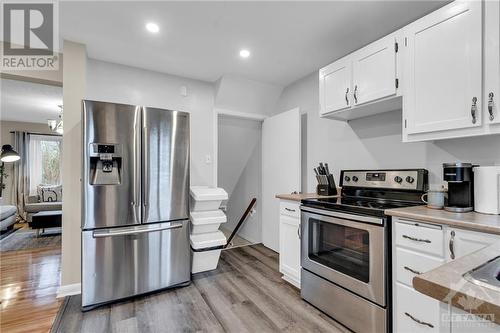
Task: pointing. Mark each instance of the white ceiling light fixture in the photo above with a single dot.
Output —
(152, 27)
(244, 53)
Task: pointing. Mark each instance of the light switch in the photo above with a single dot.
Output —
(184, 91)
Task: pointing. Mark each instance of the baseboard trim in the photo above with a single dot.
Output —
(69, 290)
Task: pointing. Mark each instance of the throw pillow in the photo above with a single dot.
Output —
(50, 193)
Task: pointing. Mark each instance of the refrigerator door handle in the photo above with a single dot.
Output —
(145, 169)
(137, 168)
(134, 231)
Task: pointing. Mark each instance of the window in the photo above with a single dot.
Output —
(45, 154)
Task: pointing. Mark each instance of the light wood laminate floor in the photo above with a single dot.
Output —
(244, 294)
(28, 285)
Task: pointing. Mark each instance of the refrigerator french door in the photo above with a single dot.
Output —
(135, 192)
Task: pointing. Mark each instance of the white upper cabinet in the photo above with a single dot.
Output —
(374, 71)
(335, 86)
(443, 69)
(348, 86)
(491, 94)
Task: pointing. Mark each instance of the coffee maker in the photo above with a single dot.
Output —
(460, 187)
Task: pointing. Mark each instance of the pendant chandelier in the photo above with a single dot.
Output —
(56, 125)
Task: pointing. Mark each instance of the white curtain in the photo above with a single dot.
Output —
(35, 159)
(20, 188)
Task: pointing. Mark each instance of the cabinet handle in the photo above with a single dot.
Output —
(346, 98)
(473, 109)
(490, 106)
(299, 232)
(412, 270)
(418, 320)
(452, 245)
(355, 94)
(417, 239)
(289, 209)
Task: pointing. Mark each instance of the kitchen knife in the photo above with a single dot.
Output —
(316, 172)
(321, 169)
(327, 170)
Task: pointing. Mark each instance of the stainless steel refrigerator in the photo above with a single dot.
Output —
(135, 195)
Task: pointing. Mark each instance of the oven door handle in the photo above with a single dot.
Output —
(352, 217)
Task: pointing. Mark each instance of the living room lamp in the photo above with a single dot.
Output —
(9, 154)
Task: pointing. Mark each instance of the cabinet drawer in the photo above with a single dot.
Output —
(420, 237)
(290, 208)
(408, 263)
(416, 312)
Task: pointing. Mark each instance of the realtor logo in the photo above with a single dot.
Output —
(29, 36)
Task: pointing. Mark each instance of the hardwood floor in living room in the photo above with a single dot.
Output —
(29, 280)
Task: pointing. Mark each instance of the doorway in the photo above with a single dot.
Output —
(239, 172)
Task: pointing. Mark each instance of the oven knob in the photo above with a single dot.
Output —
(354, 178)
(347, 178)
(410, 179)
(398, 179)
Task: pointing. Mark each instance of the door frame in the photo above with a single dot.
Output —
(229, 113)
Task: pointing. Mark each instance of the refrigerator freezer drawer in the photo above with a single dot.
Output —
(123, 262)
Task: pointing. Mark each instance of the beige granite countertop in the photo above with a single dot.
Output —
(446, 284)
(470, 221)
(301, 196)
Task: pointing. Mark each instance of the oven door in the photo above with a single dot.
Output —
(346, 249)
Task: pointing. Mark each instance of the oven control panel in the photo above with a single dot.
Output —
(408, 179)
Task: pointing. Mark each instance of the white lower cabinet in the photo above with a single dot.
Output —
(420, 247)
(462, 242)
(416, 312)
(289, 257)
(417, 248)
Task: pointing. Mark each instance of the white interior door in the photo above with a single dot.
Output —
(280, 169)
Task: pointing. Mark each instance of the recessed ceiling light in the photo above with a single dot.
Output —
(244, 53)
(152, 27)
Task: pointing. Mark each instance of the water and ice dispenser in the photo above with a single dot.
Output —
(105, 164)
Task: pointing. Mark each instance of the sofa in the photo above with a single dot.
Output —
(48, 198)
(7, 216)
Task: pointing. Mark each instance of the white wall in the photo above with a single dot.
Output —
(123, 84)
(240, 94)
(374, 142)
(240, 172)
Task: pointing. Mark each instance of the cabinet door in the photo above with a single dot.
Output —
(492, 61)
(335, 86)
(290, 249)
(463, 242)
(374, 71)
(444, 69)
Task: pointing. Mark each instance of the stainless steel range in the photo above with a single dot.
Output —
(345, 245)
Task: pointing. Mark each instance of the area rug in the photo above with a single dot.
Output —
(25, 238)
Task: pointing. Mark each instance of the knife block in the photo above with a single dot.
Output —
(325, 190)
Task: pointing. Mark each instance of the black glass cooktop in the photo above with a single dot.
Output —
(364, 206)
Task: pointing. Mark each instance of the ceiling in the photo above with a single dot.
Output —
(201, 40)
(29, 102)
